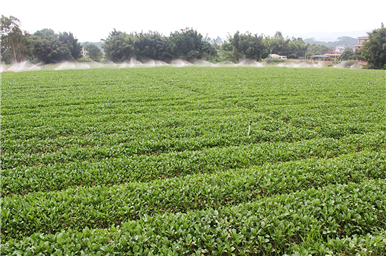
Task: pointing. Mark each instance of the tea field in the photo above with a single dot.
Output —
(193, 161)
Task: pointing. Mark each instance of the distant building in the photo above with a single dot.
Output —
(277, 56)
(340, 49)
(360, 42)
(337, 51)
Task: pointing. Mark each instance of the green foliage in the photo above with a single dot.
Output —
(14, 42)
(348, 54)
(186, 44)
(105, 205)
(69, 41)
(268, 226)
(93, 52)
(374, 50)
(317, 50)
(293, 48)
(257, 47)
(167, 166)
(247, 46)
(50, 47)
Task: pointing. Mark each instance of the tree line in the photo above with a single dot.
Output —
(49, 47)
(42, 46)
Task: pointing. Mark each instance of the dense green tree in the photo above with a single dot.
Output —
(317, 49)
(348, 54)
(226, 50)
(277, 44)
(151, 45)
(69, 41)
(45, 32)
(246, 45)
(50, 47)
(293, 48)
(208, 50)
(297, 48)
(93, 52)
(258, 47)
(374, 50)
(14, 42)
(185, 44)
(119, 46)
(215, 42)
(188, 44)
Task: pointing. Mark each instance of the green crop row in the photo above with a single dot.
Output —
(108, 123)
(100, 207)
(179, 137)
(146, 168)
(76, 145)
(128, 147)
(225, 131)
(265, 227)
(356, 245)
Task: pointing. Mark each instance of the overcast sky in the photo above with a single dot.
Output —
(94, 20)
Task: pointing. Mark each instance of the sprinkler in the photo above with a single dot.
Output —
(249, 130)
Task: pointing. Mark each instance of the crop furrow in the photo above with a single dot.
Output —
(264, 227)
(146, 168)
(100, 207)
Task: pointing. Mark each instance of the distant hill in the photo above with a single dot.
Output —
(99, 44)
(343, 40)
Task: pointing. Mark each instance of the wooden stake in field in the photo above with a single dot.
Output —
(249, 130)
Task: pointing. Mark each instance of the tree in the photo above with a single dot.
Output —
(119, 46)
(348, 54)
(246, 45)
(150, 45)
(50, 47)
(318, 49)
(216, 42)
(374, 50)
(93, 52)
(293, 48)
(14, 42)
(69, 41)
(187, 44)
(184, 44)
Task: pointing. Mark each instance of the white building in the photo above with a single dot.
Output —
(339, 49)
(277, 56)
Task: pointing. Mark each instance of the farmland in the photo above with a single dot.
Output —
(193, 160)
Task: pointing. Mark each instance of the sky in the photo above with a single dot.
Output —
(94, 20)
